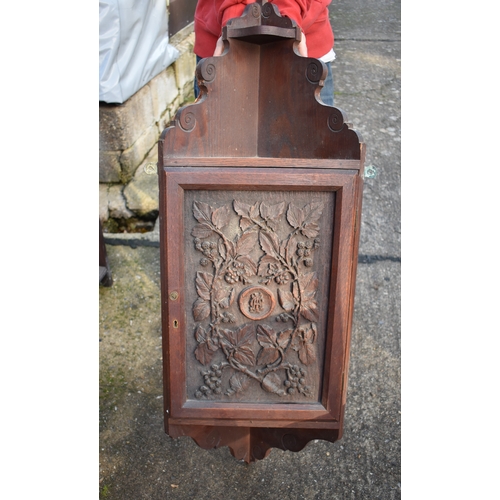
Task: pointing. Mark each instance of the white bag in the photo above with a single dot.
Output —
(133, 46)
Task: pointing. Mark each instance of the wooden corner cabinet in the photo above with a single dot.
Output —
(260, 203)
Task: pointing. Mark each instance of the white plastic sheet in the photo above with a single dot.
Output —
(133, 46)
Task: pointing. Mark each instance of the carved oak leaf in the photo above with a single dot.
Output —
(272, 214)
(294, 216)
(238, 383)
(203, 353)
(305, 219)
(201, 307)
(204, 284)
(201, 231)
(254, 210)
(202, 212)
(267, 338)
(271, 342)
(247, 213)
(220, 217)
(310, 230)
(307, 352)
(241, 208)
(200, 334)
(284, 338)
(273, 383)
(205, 350)
(269, 242)
(246, 243)
(308, 304)
(201, 310)
(312, 213)
(309, 309)
(286, 299)
(267, 356)
(239, 344)
(250, 211)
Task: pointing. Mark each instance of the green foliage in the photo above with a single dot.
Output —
(104, 492)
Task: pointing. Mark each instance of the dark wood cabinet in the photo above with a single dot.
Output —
(260, 203)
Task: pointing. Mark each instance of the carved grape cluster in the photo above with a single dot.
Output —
(284, 317)
(237, 272)
(296, 381)
(304, 249)
(213, 382)
(280, 275)
(208, 250)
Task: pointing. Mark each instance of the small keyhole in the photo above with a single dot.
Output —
(176, 324)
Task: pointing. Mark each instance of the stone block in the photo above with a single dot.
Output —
(141, 193)
(109, 166)
(185, 65)
(120, 125)
(103, 203)
(132, 157)
(163, 91)
(164, 121)
(117, 205)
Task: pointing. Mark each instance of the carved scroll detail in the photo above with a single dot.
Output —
(255, 10)
(335, 120)
(208, 71)
(314, 71)
(230, 263)
(267, 10)
(187, 121)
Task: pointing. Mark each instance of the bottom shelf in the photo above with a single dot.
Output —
(252, 443)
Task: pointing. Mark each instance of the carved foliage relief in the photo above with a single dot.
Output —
(260, 264)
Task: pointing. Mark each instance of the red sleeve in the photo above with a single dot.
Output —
(294, 9)
(227, 9)
(316, 8)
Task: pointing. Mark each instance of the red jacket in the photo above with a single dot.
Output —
(311, 15)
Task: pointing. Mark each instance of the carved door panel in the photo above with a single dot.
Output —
(256, 280)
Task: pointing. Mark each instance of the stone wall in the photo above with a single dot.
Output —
(128, 137)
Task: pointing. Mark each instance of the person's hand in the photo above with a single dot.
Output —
(302, 46)
(219, 47)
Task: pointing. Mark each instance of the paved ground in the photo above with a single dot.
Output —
(138, 461)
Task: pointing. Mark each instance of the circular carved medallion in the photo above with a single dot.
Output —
(256, 302)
